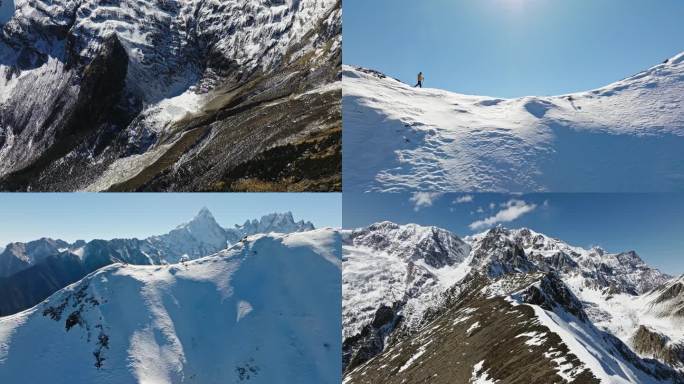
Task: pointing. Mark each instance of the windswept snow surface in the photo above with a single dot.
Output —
(627, 136)
(264, 311)
(592, 348)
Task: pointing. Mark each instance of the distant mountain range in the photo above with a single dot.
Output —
(30, 272)
(422, 305)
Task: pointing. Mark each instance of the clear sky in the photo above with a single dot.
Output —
(6, 10)
(73, 216)
(511, 48)
(651, 224)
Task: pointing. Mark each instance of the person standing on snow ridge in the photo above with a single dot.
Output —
(421, 78)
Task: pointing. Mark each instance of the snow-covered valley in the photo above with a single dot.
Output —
(626, 136)
(265, 310)
(504, 306)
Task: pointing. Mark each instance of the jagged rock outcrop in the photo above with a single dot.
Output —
(44, 266)
(360, 348)
(172, 95)
(648, 342)
(520, 307)
(19, 256)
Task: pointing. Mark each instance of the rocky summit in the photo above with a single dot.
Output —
(30, 272)
(422, 305)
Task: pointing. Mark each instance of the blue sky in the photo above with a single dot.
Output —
(72, 216)
(510, 48)
(6, 10)
(651, 224)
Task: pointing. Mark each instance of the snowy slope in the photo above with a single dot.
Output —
(386, 264)
(199, 237)
(202, 235)
(611, 311)
(264, 311)
(29, 272)
(626, 136)
(162, 40)
(165, 66)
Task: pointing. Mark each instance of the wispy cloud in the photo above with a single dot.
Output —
(512, 210)
(424, 199)
(464, 199)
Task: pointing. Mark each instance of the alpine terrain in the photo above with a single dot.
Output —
(421, 305)
(265, 310)
(30, 272)
(626, 136)
(170, 95)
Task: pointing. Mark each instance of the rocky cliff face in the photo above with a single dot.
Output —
(19, 256)
(194, 95)
(517, 306)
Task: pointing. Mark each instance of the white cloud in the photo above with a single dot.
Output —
(464, 199)
(424, 199)
(512, 210)
(492, 206)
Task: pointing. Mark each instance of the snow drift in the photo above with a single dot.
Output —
(627, 136)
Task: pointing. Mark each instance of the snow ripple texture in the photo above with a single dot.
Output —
(627, 136)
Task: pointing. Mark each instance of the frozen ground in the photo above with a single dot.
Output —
(627, 136)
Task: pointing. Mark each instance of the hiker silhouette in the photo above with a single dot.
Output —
(421, 78)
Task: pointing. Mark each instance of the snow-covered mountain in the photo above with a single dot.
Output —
(160, 95)
(549, 311)
(19, 256)
(626, 136)
(200, 236)
(266, 310)
(275, 222)
(34, 270)
(386, 264)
